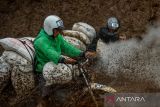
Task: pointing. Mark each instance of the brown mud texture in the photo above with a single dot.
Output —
(21, 18)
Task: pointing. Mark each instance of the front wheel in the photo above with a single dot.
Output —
(83, 98)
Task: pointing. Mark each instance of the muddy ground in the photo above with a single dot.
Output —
(25, 18)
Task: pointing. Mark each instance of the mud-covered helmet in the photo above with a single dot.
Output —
(113, 23)
(51, 22)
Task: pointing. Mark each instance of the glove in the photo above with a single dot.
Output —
(70, 61)
(90, 55)
(122, 37)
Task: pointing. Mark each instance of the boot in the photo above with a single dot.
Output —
(46, 91)
(44, 100)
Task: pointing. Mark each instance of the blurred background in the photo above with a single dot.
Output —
(25, 17)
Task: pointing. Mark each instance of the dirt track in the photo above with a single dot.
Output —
(25, 18)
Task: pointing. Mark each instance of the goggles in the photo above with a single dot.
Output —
(60, 24)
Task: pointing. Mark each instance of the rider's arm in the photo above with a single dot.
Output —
(93, 45)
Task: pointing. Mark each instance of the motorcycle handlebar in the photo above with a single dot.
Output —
(82, 63)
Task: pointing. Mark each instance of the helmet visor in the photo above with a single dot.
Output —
(60, 24)
(115, 26)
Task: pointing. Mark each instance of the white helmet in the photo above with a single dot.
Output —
(51, 22)
(113, 23)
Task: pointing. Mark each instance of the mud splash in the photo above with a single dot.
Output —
(132, 60)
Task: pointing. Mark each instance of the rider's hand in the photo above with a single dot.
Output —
(122, 37)
(90, 54)
(70, 61)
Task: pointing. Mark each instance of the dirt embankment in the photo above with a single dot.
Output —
(24, 18)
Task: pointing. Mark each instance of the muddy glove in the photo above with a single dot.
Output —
(90, 54)
(122, 37)
(70, 61)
